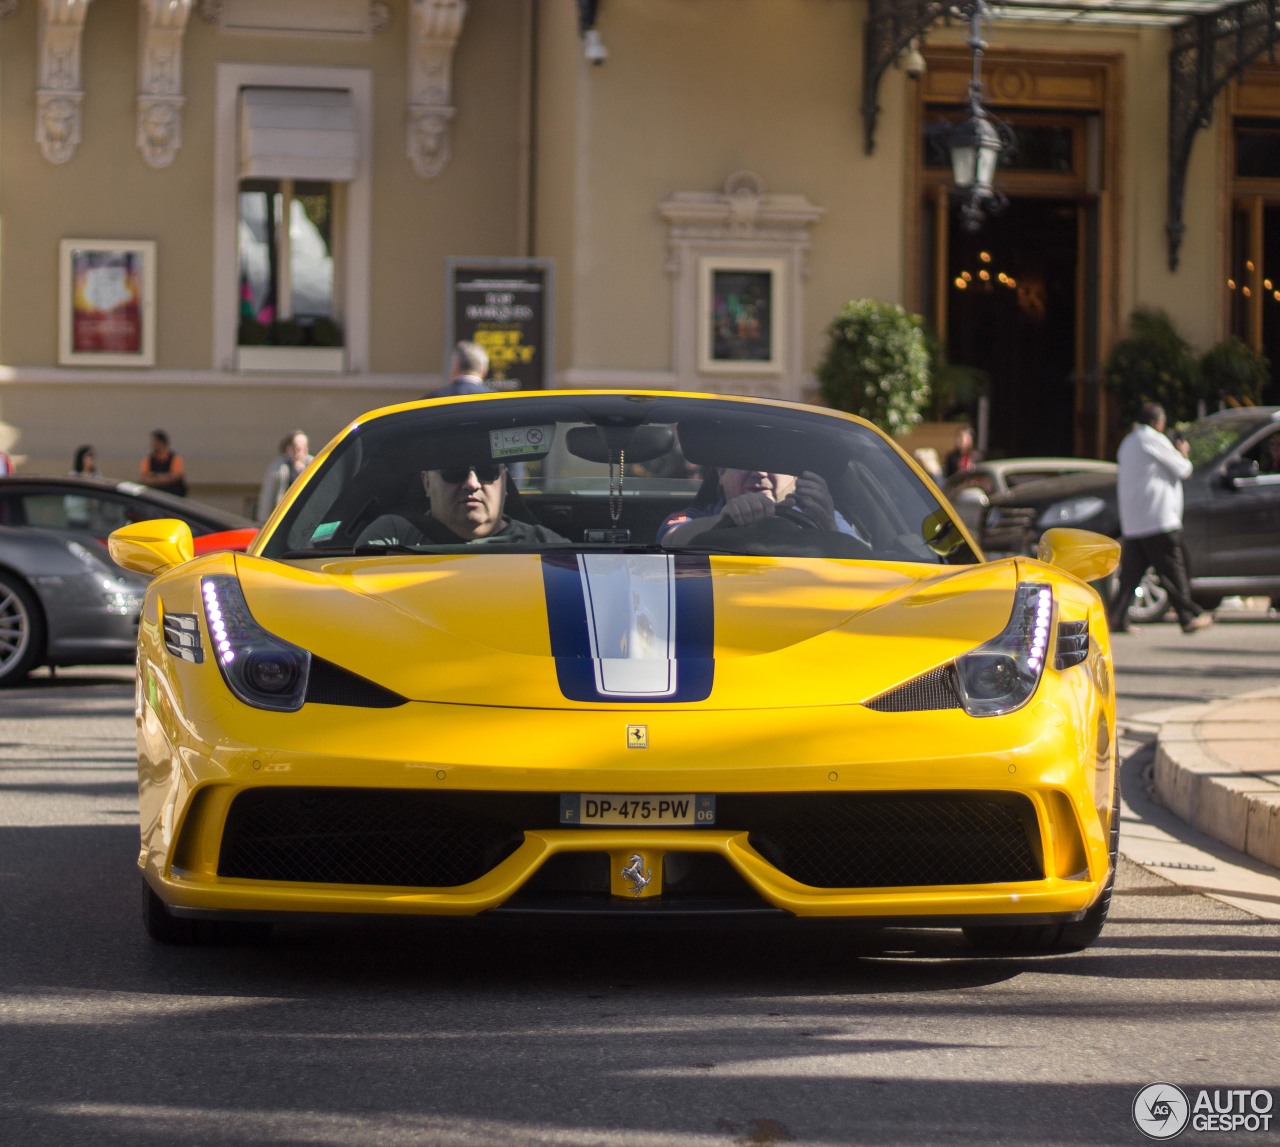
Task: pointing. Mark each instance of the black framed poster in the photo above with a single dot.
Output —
(505, 305)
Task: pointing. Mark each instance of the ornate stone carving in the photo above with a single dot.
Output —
(163, 24)
(434, 27)
(58, 92)
(379, 16)
(741, 211)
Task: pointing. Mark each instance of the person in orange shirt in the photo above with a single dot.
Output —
(162, 469)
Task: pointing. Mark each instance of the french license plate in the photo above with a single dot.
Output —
(653, 809)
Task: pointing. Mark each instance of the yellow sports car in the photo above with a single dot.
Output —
(647, 656)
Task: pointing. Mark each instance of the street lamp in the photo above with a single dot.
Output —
(977, 143)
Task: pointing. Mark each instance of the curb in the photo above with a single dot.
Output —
(1230, 793)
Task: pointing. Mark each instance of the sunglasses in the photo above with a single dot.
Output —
(485, 473)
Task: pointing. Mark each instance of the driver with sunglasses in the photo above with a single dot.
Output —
(465, 506)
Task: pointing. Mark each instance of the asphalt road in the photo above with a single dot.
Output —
(462, 1037)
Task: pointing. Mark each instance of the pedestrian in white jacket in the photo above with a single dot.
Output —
(1149, 488)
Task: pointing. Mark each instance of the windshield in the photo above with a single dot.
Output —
(536, 472)
(1211, 438)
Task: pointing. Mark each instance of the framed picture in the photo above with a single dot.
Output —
(106, 302)
(741, 307)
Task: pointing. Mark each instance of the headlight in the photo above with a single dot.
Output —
(1071, 512)
(258, 667)
(1001, 675)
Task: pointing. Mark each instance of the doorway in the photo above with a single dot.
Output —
(1012, 313)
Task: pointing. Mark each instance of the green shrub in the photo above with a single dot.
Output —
(1154, 364)
(288, 332)
(325, 332)
(877, 365)
(253, 333)
(1232, 372)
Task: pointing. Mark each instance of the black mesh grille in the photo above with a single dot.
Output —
(935, 690)
(896, 840)
(360, 836)
(329, 684)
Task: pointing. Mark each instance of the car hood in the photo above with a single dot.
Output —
(1101, 484)
(568, 630)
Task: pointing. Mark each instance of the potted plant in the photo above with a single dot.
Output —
(877, 365)
(1232, 373)
(1153, 364)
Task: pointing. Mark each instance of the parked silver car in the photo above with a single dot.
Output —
(971, 491)
(63, 601)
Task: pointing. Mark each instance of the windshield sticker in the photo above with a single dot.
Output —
(324, 530)
(520, 441)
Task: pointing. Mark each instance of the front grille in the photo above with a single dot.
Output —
(361, 836)
(898, 840)
(441, 840)
(1009, 529)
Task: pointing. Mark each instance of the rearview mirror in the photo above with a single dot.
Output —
(151, 547)
(1087, 555)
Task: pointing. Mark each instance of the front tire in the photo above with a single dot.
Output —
(22, 630)
(161, 925)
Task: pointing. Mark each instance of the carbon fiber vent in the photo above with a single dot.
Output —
(1073, 644)
(935, 690)
(330, 684)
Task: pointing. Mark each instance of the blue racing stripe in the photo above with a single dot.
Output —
(570, 623)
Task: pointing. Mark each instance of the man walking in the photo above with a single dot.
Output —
(467, 367)
(1149, 487)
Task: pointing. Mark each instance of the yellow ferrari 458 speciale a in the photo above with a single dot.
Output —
(645, 656)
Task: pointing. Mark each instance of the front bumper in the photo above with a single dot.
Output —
(1036, 760)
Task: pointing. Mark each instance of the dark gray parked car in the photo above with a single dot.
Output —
(63, 601)
(1231, 516)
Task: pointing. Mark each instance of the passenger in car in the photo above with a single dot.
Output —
(465, 504)
(749, 497)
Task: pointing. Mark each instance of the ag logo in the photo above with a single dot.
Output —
(1161, 1110)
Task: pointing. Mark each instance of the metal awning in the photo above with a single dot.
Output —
(298, 133)
(1092, 12)
(1211, 43)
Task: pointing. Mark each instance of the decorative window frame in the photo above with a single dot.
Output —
(739, 227)
(355, 273)
(776, 269)
(68, 353)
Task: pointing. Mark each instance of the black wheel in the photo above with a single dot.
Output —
(1058, 937)
(1150, 600)
(22, 630)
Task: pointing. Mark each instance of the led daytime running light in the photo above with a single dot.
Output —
(1002, 674)
(261, 669)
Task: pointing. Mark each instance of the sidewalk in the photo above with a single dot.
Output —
(1217, 767)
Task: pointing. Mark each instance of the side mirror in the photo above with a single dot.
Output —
(1239, 471)
(970, 496)
(941, 534)
(151, 547)
(1087, 555)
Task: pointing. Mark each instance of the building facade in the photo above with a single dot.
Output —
(231, 218)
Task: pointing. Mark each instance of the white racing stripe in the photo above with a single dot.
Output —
(631, 620)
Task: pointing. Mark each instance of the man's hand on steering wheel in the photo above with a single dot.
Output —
(811, 500)
(748, 509)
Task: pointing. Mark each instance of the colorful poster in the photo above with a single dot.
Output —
(107, 300)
